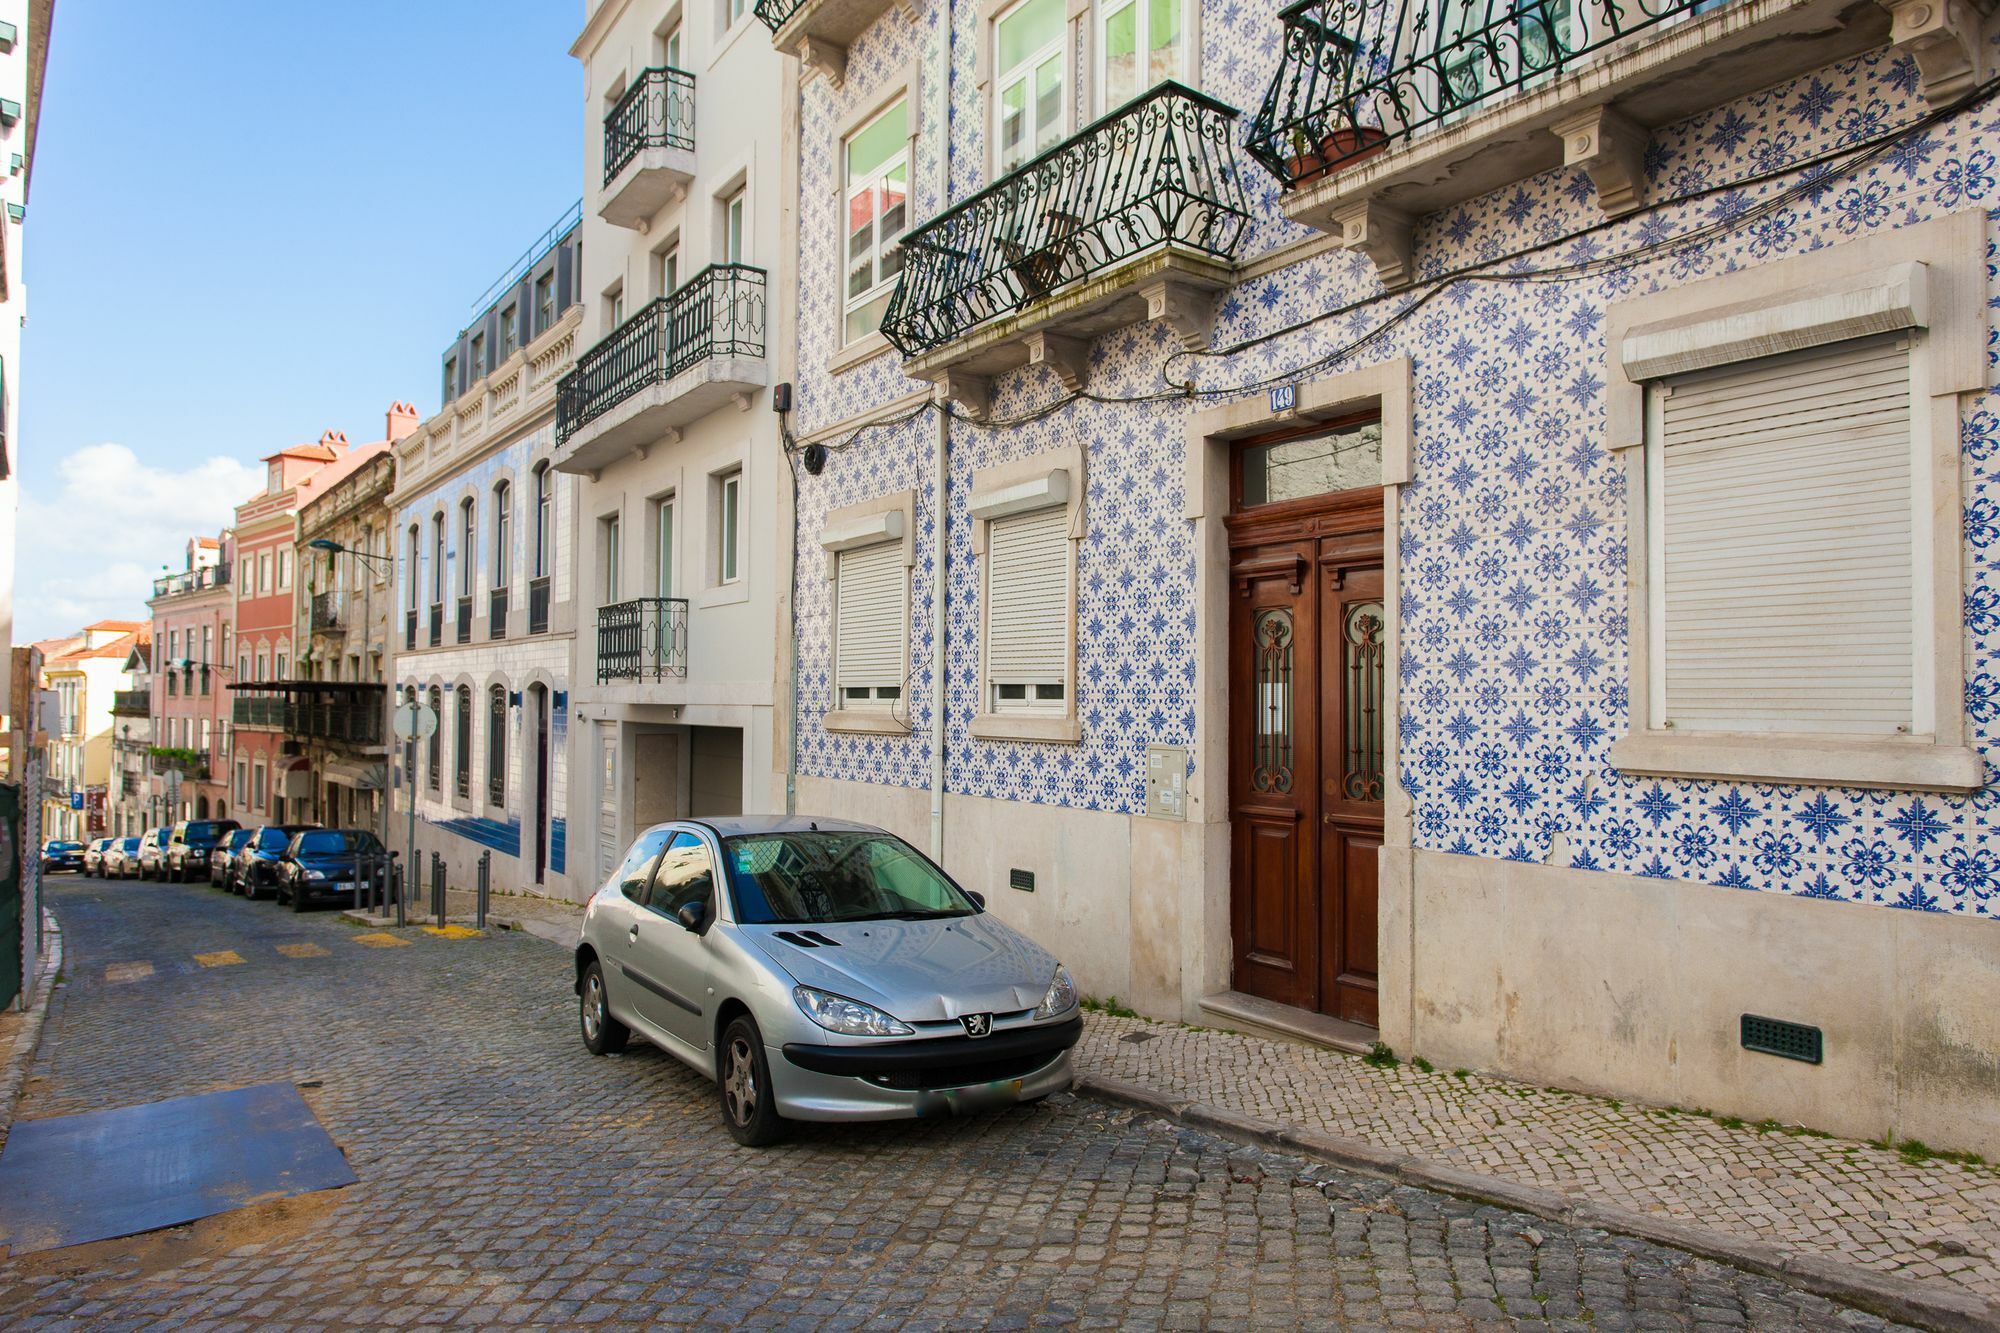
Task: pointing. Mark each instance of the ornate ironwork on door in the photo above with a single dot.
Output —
(1271, 639)
(1362, 662)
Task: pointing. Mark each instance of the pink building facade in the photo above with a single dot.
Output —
(193, 630)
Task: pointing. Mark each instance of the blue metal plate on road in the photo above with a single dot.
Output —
(77, 1178)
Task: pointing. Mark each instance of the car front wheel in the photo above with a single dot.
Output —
(602, 1034)
(743, 1082)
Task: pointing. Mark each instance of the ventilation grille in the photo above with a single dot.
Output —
(809, 939)
(1774, 1036)
(1024, 880)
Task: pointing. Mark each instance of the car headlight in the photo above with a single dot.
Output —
(850, 1018)
(315, 874)
(1061, 997)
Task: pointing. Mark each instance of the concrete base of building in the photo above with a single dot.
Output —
(1596, 982)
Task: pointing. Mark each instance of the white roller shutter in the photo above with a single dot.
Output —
(870, 632)
(1028, 596)
(1788, 542)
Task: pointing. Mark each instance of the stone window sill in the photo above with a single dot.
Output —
(1026, 727)
(1913, 764)
(865, 722)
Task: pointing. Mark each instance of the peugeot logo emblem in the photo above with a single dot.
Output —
(977, 1025)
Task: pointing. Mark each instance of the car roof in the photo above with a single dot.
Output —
(747, 824)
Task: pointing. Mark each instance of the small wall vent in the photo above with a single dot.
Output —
(1774, 1036)
(1024, 880)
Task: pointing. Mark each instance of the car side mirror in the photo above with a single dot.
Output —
(694, 916)
(978, 899)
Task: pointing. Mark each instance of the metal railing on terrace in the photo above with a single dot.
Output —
(1358, 75)
(131, 703)
(325, 611)
(532, 256)
(254, 710)
(720, 312)
(657, 111)
(1160, 170)
(333, 717)
(192, 580)
(774, 13)
(643, 639)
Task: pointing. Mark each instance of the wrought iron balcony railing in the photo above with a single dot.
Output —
(657, 111)
(325, 612)
(1358, 75)
(1159, 171)
(643, 639)
(496, 614)
(192, 580)
(538, 605)
(257, 710)
(719, 313)
(774, 13)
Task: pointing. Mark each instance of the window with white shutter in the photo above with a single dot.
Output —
(1785, 544)
(870, 626)
(1027, 611)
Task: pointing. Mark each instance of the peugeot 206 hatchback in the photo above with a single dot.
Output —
(819, 970)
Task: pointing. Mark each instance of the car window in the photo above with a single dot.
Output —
(272, 839)
(335, 842)
(794, 878)
(636, 870)
(686, 874)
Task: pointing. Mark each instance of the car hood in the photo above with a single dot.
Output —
(916, 970)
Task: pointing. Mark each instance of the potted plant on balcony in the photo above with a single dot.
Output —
(192, 763)
(1316, 157)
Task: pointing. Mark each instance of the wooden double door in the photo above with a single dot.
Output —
(1307, 674)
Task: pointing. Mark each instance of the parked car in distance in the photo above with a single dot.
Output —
(59, 855)
(252, 876)
(222, 857)
(151, 861)
(819, 970)
(93, 856)
(189, 844)
(322, 863)
(121, 858)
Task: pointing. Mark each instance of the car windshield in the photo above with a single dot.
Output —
(336, 842)
(65, 846)
(273, 839)
(129, 845)
(814, 877)
(238, 838)
(206, 831)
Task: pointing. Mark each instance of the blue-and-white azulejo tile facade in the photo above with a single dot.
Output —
(1513, 545)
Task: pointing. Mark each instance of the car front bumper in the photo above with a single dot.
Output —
(919, 1079)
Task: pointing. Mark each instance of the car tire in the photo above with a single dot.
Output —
(743, 1086)
(602, 1034)
(298, 899)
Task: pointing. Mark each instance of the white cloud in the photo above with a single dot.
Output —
(92, 550)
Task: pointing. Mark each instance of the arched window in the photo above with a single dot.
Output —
(466, 527)
(436, 756)
(503, 517)
(496, 745)
(462, 735)
(544, 516)
(415, 558)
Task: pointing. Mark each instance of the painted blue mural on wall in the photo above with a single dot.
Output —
(1513, 544)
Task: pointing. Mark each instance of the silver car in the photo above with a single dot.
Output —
(838, 974)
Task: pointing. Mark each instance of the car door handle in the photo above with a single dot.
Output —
(633, 934)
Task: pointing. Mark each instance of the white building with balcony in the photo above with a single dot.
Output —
(483, 612)
(683, 513)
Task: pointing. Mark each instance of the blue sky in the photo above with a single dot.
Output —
(252, 222)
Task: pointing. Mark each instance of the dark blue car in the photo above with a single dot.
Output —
(62, 856)
(322, 863)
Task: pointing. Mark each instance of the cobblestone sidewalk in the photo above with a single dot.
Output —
(1847, 1202)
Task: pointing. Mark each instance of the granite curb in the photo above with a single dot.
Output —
(1901, 1299)
(16, 1060)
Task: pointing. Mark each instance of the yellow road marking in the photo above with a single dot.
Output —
(301, 951)
(128, 971)
(220, 958)
(454, 932)
(380, 940)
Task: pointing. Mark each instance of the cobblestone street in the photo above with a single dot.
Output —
(508, 1178)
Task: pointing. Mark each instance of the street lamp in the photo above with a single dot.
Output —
(332, 547)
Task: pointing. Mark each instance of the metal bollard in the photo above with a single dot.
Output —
(437, 887)
(485, 886)
(396, 888)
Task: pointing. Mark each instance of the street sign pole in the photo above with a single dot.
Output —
(413, 722)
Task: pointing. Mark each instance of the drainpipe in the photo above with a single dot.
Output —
(941, 102)
(940, 529)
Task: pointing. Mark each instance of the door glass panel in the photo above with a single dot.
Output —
(1338, 460)
(686, 875)
(1272, 642)
(1362, 652)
